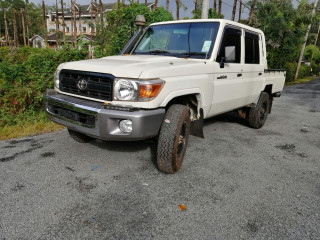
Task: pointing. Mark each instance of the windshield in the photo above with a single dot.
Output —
(194, 40)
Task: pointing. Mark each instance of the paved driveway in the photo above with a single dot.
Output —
(237, 183)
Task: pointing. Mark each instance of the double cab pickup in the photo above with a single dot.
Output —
(171, 77)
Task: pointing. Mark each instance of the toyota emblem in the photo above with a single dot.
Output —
(82, 84)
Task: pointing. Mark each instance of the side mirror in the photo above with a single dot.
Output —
(230, 53)
(223, 59)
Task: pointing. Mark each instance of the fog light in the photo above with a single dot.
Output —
(125, 126)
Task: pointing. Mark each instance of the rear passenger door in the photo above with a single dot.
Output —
(253, 67)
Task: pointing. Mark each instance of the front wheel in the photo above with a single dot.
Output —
(173, 138)
(258, 114)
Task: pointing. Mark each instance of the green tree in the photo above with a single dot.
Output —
(284, 28)
(121, 27)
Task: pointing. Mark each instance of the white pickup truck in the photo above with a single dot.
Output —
(174, 75)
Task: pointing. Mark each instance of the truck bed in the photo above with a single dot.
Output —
(276, 77)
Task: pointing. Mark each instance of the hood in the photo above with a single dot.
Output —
(133, 66)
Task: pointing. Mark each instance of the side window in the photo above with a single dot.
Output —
(230, 48)
(252, 53)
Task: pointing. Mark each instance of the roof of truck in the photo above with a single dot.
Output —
(222, 21)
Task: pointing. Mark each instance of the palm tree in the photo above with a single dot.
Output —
(167, 5)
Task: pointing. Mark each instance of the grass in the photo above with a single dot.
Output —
(302, 80)
(28, 129)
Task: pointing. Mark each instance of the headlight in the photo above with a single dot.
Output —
(136, 90)
(56, 79)
(126, 90)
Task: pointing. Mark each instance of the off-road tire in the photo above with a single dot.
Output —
(173, 138)
(258, 114)
(79, 137)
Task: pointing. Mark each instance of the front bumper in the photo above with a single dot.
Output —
(92, 119)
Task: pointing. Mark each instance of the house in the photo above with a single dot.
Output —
(85, 23)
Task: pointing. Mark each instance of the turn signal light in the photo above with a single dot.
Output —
(149, 91)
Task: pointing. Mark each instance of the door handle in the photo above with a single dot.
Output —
(260, 74)
(239, 75)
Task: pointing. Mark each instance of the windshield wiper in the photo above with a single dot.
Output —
(193, 53)
(158, 51)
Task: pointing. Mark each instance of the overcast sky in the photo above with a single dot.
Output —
(226, 6)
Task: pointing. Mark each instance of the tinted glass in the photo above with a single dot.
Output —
(252, 53)
(231, 37)
(194, 40)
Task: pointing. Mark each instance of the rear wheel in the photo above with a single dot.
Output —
(173, 138)
(258, 114)
(79, 137)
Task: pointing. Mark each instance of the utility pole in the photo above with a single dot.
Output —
(205, 9)
(305, 41)
(234, 9)
(240, 9)
(57, 26)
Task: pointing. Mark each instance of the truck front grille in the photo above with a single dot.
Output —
(88, 84)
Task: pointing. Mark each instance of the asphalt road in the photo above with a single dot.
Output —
(237, 183)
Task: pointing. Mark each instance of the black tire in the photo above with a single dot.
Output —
(173, 138)
(79, 137)
(258, 114)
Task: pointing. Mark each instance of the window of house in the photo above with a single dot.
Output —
(76, 29)
(231, 38)
(67, 29)
(84, 29)
(252, 53)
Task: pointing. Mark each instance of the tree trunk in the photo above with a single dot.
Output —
(215, 5)
(6, 32)
(315, 44)
(44, 23)
(155, 4)
(63, 23)
(240, 9)
(196, 4)
(57, 26)
(234, 9)
(251, 14)
(23, 27)
(96, 13)
(74, 23)
(27, 23)
(167, 5)
(178, 9)
(101, 12)
(146, 2)
(80, 26)
(305, 41)
(219, 8)
(15, 29)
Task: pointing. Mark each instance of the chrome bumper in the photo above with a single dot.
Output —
(91, 118)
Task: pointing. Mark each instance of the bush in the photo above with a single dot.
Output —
(291, 71)
(25, 74)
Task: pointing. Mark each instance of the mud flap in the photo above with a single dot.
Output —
(196, 128)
